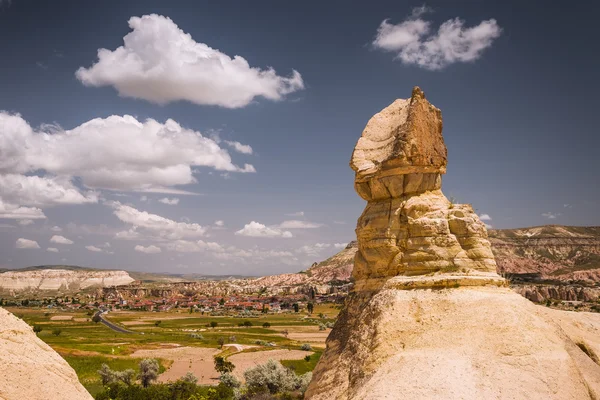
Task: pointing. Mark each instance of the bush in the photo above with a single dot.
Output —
(96, 318)
(307, 358)
(221, 341)
(247, 324)
(306, 347)
(197, 336)
(222, 365)
(57, 332)
(322, 327)
(190, 378)
(37, 328)
(127, 376)
(107, 375)
(214, 324)
(266, 325)
(271, 377)
(229, 380)
(148, 371)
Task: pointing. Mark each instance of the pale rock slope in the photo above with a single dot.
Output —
(61, 280)
(30, 369)
(428, 317)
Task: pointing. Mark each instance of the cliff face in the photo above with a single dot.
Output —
(428, 316)
(554, 252)
(30, 369)
(60, 280)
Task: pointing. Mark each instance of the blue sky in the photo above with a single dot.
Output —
(267, 139)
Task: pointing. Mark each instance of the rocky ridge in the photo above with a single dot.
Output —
(428, 316)
(63, 280)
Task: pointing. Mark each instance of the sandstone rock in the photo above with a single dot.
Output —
(60, 280)
(30, 369)
(428, 317)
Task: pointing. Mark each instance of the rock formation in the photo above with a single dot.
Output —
(429, 318)
(60, 280)
(30, 369)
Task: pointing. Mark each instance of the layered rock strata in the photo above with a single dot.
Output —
(429, 318)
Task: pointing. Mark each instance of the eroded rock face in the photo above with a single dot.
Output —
(30, 369)
(429, 318)
(408, 226)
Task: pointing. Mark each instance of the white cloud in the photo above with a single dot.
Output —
(550, 215)
(25, 222)
(60, 240)
(296, 214)
(26, 244)
(219, 223)
(413, 42)
(240, 148)
(485, 217)
(154, 226)
(148, 250)
(144, 199)
(160, 63)
(171, 202)
(185, 246)
(116, 153)
(340, 245)
(94, 249)
(56, 229)
(52, 249)
(255, 229)
(296, 224)
(13, 211)
(313, 250)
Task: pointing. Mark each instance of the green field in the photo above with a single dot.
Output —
(86, 345)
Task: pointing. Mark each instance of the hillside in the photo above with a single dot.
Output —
(564, 253)
(63, 280)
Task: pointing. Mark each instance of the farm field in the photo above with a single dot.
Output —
(182, 342)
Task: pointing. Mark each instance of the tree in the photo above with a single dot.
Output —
(230, 380)
(107, 375)
(310, 307)
(96, 318)
(157, 323)
(306, 347)
(37, 328)
(191, 309)
(222, 365)
(148, 371)
(270, 377)
(221, 341)
(266, 325)
(57, 332)
(247, 324)
(190, 378)
(213, 324)
(222, 302)
(296, 307)
(127, 376)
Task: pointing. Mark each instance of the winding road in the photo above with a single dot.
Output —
(112, 326)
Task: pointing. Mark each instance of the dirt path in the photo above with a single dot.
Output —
(197, 360)
(243, 361)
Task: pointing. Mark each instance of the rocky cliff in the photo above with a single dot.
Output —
(60, 280)
(428, 316)
(30, 369)
(564, 253)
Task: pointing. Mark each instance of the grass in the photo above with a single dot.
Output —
(302, 366)
(87, 345)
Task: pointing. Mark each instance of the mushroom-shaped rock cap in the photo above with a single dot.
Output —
(403, 138)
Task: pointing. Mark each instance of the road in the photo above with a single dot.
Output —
(112, 326)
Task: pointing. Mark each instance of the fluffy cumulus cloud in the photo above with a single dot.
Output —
(550, 215)
(415, 43)
(26, 244)
(297, 224)
(152, 226)
(152, 249)
(94, 249)
(340, 245)
(219, 223)
(240, 148)
(171, 202)
(118, 153)
(256, 229)
(14, 211)
(313, 250)
(161, 63)
(60, 240)
(485, 217)
(52, 249)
